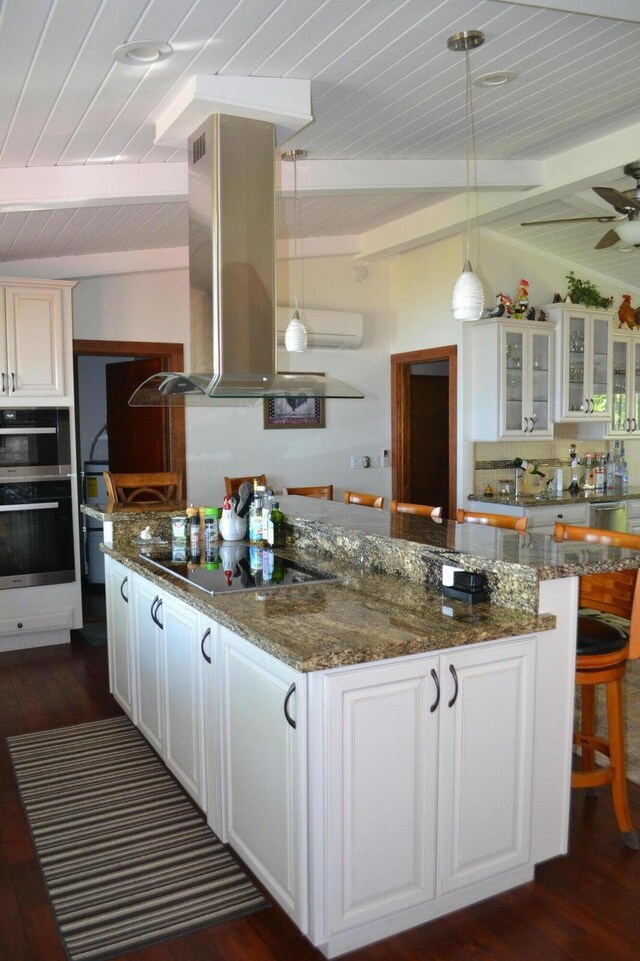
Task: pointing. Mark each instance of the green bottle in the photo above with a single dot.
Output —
(275, 526)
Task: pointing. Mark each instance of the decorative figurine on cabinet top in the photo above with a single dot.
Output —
(626, 313)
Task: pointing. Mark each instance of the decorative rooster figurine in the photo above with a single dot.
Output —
(626, 313)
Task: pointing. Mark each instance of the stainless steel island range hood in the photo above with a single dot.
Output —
(232, 267)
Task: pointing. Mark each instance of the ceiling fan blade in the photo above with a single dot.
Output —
(617, 199)
(567, 220)
(609, 239)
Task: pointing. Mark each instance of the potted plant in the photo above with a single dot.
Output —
(586, 293)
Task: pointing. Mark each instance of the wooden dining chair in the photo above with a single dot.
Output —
(603, 649)
(493, 520)
(232, 484)
(324, 492)
(160, 487)
(365, 500)
(397, 507)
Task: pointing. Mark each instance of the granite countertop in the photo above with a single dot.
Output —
(366, 616)
(542, 500)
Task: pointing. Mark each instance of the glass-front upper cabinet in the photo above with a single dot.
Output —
(519, 400)
(584, 370)
(625, 385)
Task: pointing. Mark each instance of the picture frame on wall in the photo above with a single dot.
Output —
(286, 413)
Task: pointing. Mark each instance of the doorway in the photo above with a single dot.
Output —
(424, 390)
(124, 439)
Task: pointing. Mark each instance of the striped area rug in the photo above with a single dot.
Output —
(127, 859)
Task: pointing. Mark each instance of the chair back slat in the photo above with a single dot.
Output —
(364, 500)
(161, 487)
(322, 492)
(423, 510)
(505, 521)
(232, 484)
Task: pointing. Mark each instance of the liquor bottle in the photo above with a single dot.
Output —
(255, 521)
(275, 528)
(528, 466)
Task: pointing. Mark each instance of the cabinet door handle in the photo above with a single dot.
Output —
(3, 386)
(526, 425)
(585, 407)
(452, 671)
(533, 423)
(437, 684)
(635, 424)
(206, 634)
(13, 382)
(122, 593)
(628, 421)
(290, 692)
(593, 406)
(155, 607)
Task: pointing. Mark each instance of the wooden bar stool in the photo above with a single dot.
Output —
(365, 500)
(323, 492)
(493, 520)
(423, 510)
(232, 484)
(603, 649)
(163, 487)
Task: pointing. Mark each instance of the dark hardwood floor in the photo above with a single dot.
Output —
(583, 907)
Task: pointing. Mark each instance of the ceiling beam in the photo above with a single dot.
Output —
(97, 265)
(334, 177)
(90, 185)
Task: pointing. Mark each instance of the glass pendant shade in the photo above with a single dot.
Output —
(629, 231)
(295, 336)
(467, 300)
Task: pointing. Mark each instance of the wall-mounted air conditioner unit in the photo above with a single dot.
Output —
(326, 329)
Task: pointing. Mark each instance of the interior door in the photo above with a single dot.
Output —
(138, 436)
(430, 443)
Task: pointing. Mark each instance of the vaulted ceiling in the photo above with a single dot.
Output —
(85, 177)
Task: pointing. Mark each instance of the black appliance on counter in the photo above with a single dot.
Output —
(233, 566)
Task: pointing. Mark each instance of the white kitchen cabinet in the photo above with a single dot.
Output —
(168, 682)
(541, 520)
(121, 658)
(512, 372)
(428, 777)
(633, 517)
(35, 341)
(625, 385)
(210, 673)
(583, 371)
(264, 759)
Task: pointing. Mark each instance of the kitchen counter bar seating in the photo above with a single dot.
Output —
(493, 520)
(603, 649)
(364, 500)
(422, 510)
(165, 487)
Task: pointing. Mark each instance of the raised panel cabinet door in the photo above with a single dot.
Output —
(486, 745)
(382, 775)
(121, 685)
(264, 770)
(183, 696)
(35, 341)
(149, 668)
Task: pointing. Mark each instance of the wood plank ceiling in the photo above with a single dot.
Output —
(384, 86)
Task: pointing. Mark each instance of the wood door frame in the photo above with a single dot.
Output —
(401, 365)
(170, 357)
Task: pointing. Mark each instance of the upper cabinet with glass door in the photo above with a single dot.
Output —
(511, 379)
(583, 373)
(625, 385)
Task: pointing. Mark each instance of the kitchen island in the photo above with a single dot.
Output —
(376, 754)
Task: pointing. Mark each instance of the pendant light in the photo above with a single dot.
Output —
(467, 300)
(295, 336)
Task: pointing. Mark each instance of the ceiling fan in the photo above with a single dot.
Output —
(627, 205)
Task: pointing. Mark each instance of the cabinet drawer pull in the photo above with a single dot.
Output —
(122, 593)
(206, 634)
(452, 671)
(290, 720)
(437, 684)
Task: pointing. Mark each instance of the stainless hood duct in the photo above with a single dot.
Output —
(232, 263)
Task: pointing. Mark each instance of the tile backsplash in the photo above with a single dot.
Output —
(492, 459)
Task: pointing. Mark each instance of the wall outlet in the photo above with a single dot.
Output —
(376, 460)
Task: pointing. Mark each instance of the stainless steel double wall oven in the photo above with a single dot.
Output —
(36, 512)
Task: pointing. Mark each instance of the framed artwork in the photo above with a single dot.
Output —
(294, 412)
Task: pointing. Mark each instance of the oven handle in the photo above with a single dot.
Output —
(28, 430)
(51, 505)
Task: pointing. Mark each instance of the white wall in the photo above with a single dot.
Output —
(421, 285)
(232, 441)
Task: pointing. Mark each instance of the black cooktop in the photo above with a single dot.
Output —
(233, 566)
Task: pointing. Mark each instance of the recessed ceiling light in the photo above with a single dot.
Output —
(142, 53)
(497, 79)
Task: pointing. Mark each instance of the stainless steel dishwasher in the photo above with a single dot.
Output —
(609, 517)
